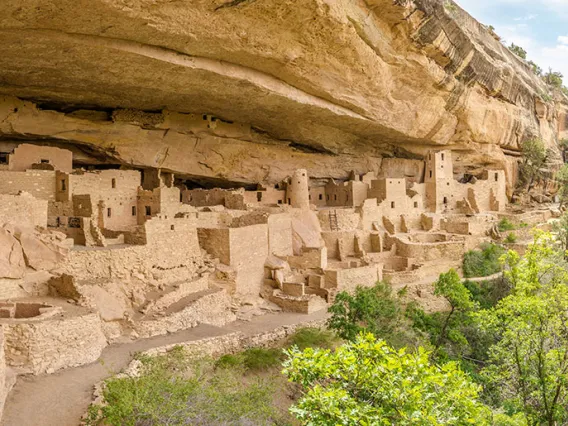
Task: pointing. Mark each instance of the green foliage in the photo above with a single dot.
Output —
(560, 227)
(518, 50)
(257, 359)
(553, 78)
(484, 262)
(311, 337)
(486, 294)
(511, 238)
(534, 158)
(505, 225)
(175, 390)
(562, 179)
(536, 69)
(451, 288)
(366, 382)
(370, 309)
(529, 360)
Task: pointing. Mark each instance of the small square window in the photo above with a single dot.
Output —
(416, 204)
(43, 161)
(173, 228)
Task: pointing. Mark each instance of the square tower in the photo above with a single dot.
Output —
(439, 181)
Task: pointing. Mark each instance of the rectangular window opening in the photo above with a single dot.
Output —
(109, 212)
(133, 210)
(148, 211)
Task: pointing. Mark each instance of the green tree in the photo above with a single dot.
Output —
(366, 382)
(562, 179)
(518, 50)
(536, 69)
(371, 310)
(451, 288)
(534, 158)
(529, 362)
(553, 78)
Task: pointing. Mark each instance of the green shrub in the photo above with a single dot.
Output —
(230, 361)
(484, 262)
(257, 359)
(505, 225)
(523, 225)
(311, 337)
(371, 310)
(175, 390)
(511, 238)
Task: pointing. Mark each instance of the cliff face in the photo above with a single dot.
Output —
(326, 85)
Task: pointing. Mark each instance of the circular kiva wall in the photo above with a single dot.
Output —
(42, 338)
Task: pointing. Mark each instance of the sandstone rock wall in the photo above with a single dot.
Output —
(249, 91)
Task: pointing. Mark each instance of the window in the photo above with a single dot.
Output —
(392, 204)
(204, 117)
(430, 173)
(113, 182)
(448, 184)
(416, 204)
(496, 177)
(279, 201)
(442, 156)
(44, 161)
(180, 197)
(63, 185)
(173, 228)
(109, 212)
(289, 202)
(133, 210)
(321, 196)
(335, 197)
(303, 174)
(4, 158)
(445, 200)
(259, 196)
(148, 211)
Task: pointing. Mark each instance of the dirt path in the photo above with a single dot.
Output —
(61, 399)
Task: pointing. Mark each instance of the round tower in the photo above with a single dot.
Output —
(298, 193)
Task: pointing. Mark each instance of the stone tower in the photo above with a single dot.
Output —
(439, 181)
(297, 192)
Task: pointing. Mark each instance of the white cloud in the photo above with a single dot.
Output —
(526, 18)
(563, 40)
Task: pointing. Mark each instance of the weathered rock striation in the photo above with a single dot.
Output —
(326, 85)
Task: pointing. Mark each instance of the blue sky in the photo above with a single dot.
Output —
(539, 26)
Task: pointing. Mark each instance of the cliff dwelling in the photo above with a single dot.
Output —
(156, 179)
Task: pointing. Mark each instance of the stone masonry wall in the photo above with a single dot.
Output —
(25, 209)
(25, 155)
(49, 345)
(39, 183)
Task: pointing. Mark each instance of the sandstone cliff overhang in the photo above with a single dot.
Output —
(351, 79)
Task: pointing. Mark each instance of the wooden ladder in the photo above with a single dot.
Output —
(333, 220)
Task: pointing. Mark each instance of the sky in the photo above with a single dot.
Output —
(538, 26)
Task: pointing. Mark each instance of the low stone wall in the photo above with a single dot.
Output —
(452, 249)
(46, 346)
(349, 279)
(212, 308)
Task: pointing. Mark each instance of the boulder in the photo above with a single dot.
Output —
(12, 264)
